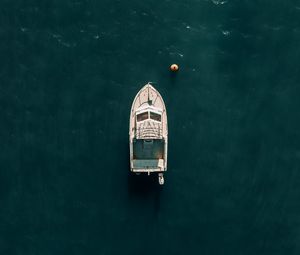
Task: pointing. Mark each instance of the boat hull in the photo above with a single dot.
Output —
(148, 133)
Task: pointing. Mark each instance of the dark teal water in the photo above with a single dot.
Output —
(69, 72)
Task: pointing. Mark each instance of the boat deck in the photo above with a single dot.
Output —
(148, 148)
(148, 165)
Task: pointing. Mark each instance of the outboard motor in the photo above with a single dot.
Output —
(161, 179)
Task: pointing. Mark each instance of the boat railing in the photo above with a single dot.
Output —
(149, 132)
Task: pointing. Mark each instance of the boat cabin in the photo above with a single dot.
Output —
(148, 114)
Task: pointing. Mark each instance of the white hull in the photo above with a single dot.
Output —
(148, 133)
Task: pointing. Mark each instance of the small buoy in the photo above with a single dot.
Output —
(174, 67)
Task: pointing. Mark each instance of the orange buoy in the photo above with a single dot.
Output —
(174, 67)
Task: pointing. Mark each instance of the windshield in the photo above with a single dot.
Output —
(155, 116)
(142, 116)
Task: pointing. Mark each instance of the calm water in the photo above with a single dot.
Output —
(69, 72)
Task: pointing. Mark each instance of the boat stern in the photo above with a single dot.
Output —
(148, 166)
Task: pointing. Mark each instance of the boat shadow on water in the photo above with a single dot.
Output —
(144, 189)
(143, 185)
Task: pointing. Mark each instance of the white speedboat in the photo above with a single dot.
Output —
(148, 133)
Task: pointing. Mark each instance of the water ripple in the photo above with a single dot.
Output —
(218, 2)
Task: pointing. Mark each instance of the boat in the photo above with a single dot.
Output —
(148, 133)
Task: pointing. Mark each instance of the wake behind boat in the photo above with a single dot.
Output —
(148, 133)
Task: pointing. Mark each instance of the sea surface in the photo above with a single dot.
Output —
(69, 71)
